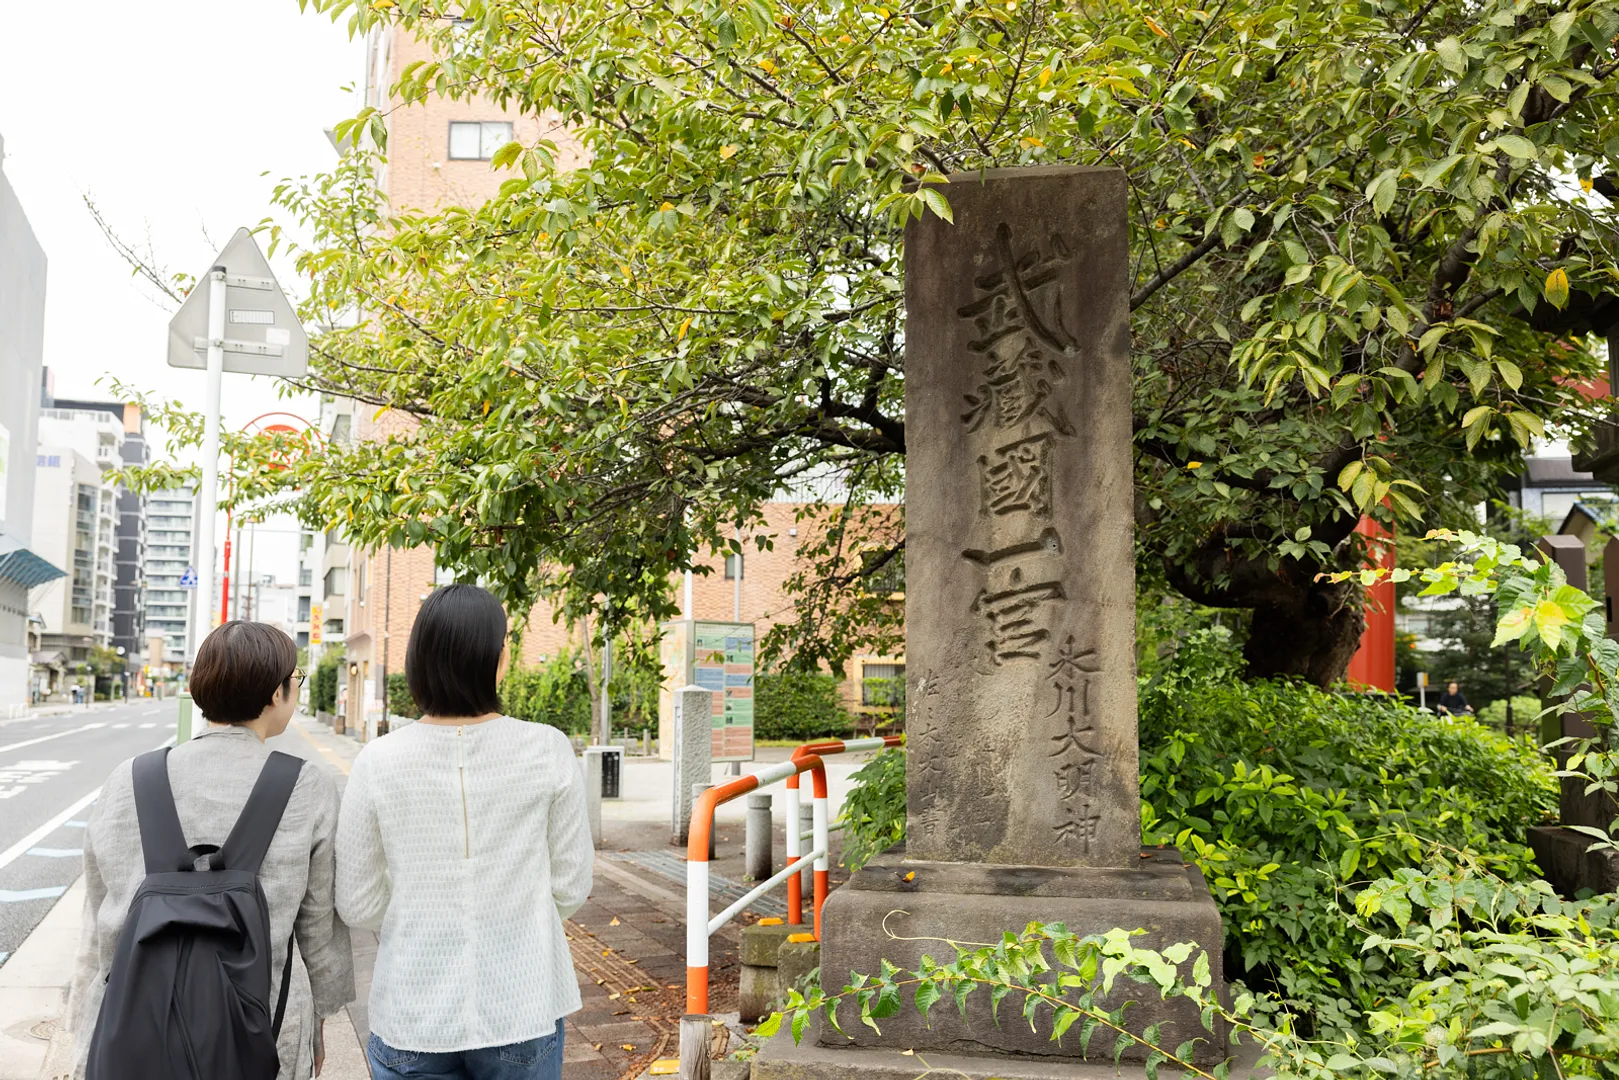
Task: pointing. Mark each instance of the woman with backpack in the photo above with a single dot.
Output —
(203, 865)
(464, 841)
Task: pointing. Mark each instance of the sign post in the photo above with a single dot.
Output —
(242, 298)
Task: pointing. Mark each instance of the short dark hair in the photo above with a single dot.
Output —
(239, 668)
(454, 652)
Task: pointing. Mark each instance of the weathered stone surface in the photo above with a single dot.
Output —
(794, 963)
(759, 943)
(758, 988)
(1566, 862)
(781, 1060)
(1020, 584)
(869, 920)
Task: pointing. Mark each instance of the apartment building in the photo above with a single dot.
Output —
(113, 434)
(170, 528)
(22, 340)
(75, 526)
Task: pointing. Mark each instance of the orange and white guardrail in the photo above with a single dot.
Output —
(820, 831)
(698, 924)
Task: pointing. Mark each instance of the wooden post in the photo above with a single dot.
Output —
(696, 1034)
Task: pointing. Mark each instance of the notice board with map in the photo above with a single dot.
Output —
(717, 656)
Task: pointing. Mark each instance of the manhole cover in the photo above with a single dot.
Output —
(44, 1030)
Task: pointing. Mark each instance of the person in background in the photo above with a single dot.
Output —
(1452, 702)
(465, 841)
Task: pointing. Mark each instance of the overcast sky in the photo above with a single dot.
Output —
(178, 119)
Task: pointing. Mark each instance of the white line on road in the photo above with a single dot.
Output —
(145, 726)
(20, 848)
(17, 896)
(48, 738)
(119, 727)
(57, 852)
(152, 712)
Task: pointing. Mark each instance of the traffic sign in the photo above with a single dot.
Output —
(262, 333)
(188, 580)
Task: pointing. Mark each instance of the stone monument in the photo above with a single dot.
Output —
(1023, 791)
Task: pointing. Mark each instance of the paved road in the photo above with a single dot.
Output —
(49, 769)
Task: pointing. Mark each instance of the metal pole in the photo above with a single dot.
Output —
(252, 581)
(387, 616)
(607, 674)
(204, 600)
(685, 610)
(736, 581)
(224, 605)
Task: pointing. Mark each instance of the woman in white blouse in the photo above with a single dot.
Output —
(464, 840)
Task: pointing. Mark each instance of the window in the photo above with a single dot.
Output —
(478, 140)
(306, 576)
(882, 684)
(336, 581)
(733, 567)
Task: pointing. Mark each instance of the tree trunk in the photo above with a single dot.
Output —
(1313, 637)
(1301, 628)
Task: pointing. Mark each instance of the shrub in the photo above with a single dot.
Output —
(323, 684)
(875, 808)
(1285, 794)
(1525, 713)
(555, 693)
(400, 703)
(798, 705)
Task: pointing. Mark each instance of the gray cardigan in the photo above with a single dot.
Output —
(211, 776)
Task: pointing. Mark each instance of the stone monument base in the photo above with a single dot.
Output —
(1566, 863)
(898, 909)
(781, 1060)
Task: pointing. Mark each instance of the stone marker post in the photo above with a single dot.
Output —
(1562, 852)
(693, 754)
(1023, 797)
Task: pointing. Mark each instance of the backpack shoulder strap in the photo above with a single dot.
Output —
(163, 842)
(250, 838)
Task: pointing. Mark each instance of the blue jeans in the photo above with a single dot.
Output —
(536, 1059)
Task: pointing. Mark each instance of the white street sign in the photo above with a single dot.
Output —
(262, 334)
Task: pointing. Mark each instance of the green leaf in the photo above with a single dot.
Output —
(1518, 146)
(1451, 55)
(1381, 191)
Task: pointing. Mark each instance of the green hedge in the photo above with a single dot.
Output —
(554, 693)
(400, 703)
(323, 684)
(798, 705)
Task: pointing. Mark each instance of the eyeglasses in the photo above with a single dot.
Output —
(298, 675)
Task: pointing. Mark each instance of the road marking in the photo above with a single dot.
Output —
(3, 956)
(337, 760)
(145, 726)
(17, 896)
(152, 712)
(48, 738)
(20, 848)
(75, 824)
(57, 852)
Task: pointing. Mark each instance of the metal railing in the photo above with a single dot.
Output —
(795, 838)
(699, 926)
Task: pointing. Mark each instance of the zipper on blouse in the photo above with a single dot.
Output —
(461, 764)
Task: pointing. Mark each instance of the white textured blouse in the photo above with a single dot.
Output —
(466, 847)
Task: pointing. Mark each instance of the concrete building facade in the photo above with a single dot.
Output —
(116, 432)
(170, 528)
(22, 346)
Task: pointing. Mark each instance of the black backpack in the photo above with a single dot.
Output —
(187, 995)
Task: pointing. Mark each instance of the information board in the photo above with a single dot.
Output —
(717, 656)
